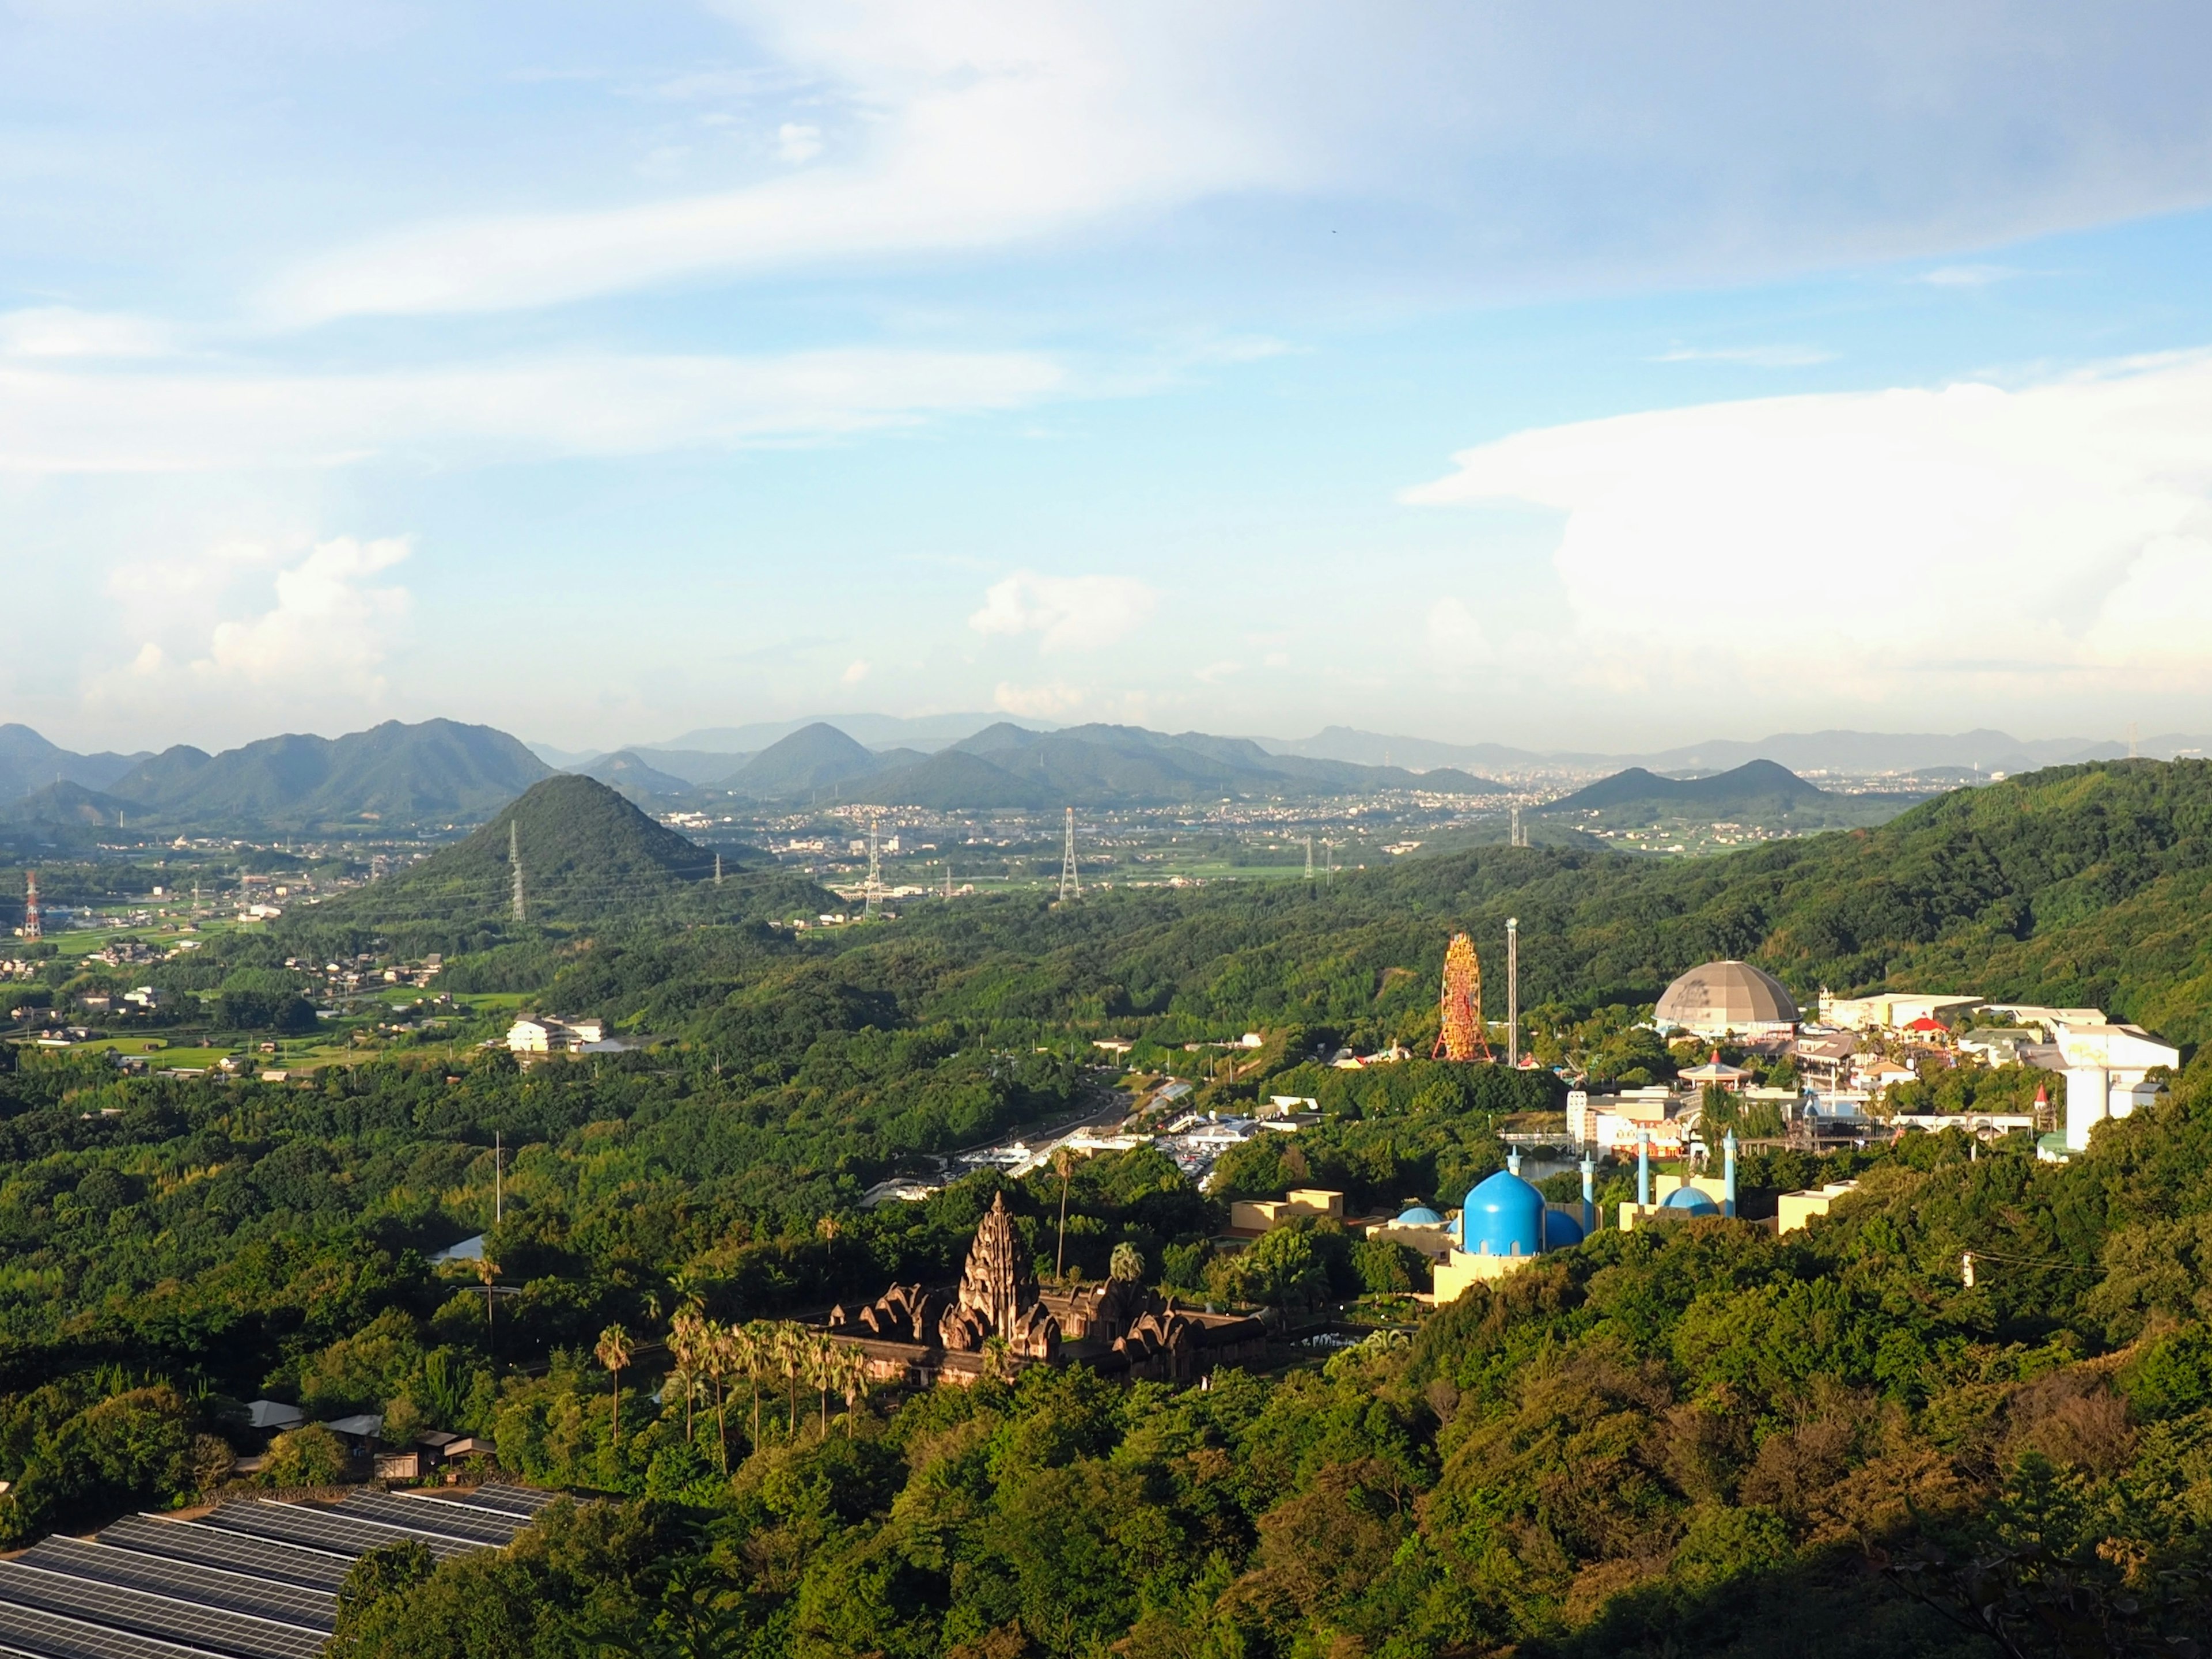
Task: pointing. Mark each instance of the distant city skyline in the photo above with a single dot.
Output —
(1610, 381)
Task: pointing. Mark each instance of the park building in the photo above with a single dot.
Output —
(1504, 1226)
(1728, 998)
(2107, 1074)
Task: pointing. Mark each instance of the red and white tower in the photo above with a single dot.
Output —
(31, 904)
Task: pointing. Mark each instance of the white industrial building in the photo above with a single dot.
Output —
(2107, 1069)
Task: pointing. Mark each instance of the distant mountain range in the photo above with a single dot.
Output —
(1850, 754)
(1007, 766)
(393, 774)
(28, 761)
(1759, 792)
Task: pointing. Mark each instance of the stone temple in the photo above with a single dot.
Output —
(914, 1334)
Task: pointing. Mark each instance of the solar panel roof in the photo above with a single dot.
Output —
(53, 1636)
(508, 1500)
(448, 1520)
(187, 1540)
(119, 1607)
(298, 1523)
(251, 1579)
(210, 1586)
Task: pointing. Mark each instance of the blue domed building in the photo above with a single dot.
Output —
(1503, 1225)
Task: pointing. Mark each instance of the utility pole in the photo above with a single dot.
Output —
(1070, 888)
(1512, 990)
(514, 858)
(498, 1178)
(31, 927)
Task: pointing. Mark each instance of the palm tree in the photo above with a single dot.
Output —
(487, 1270)
(614, 1353)
(723, 1355)
(685, 1345)
(852, 1381)
(791, 1355)
(1063, 1163)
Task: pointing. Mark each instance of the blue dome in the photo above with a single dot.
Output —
(1420, 1215)
(1690, 1201)
(1561, 1229)
(1504, 1216)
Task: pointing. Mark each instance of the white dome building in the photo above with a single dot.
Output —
(1724, 998)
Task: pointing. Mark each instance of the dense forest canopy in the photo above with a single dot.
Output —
(1697, 1438)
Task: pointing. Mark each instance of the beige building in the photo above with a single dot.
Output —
(1263, 1215)
(1891, 1010)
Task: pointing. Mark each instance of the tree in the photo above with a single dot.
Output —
(1127, 1263)
(488, 1270)
(613, 1351)
(1063, 1164)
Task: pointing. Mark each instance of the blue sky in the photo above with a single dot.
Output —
(1600, 376)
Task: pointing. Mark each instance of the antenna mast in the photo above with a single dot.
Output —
(1513, 987)
(31, 927)
(875, 865)
(1070, 888)
(514, 858)
(1309, 858)
(718, 869)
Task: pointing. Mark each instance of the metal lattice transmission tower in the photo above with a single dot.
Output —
(1459, 1033)
(875, 867)
(32, 927)
(1309, 858)
(718, 869)
(1070, 888)
(514, 863)
(1513, 837)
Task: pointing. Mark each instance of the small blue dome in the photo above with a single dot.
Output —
(1504, 1216)
(1420, 1215)
(1561, 1229)
(1690, 1201)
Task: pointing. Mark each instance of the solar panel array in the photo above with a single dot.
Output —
(249, 1580)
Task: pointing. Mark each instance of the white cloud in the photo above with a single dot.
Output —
(1967, 276)
(1070, 613)
(1456, 639)
(1702, 141)
(1215, 672)
(62, 331)
(330, 626)
(54, 420)
(797, 142)
(854, 673)
(1888, 546)
(1037, 702)
(1768, 357)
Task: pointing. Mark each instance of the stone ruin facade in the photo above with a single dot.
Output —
(1118, 1326)
(998, 1297)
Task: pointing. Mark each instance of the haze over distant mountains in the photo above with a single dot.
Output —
(440, 772)
(703, 756)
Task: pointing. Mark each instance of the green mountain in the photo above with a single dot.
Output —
(1008, 766)
(1759, 792)
(392, 773)
(631, 773)
(813, 757)
(67, 804)
(585, 853)
(28, 761)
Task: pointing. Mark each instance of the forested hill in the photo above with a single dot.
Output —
(587, 855)
(2079, 885)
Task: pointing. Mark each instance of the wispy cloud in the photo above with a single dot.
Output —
(61, 422)
(64, 331)
(1758, 356)
(1967, 276)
